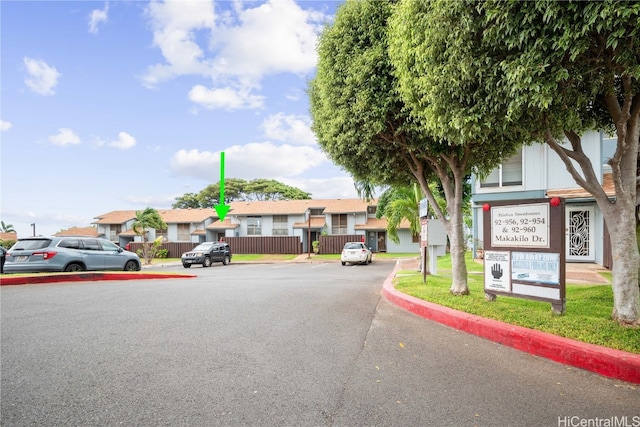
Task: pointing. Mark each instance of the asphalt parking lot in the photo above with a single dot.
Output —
(279, 344)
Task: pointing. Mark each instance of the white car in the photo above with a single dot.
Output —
(356, 253)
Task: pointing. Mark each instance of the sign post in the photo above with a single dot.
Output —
(424, 236)
(524, 250)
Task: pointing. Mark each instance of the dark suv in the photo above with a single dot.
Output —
(207, 253)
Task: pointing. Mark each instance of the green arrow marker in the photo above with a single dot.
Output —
(221, 208)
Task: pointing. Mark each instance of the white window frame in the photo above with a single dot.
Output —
(280, 225)
(500, 185)
(184, 232)
(254, 226)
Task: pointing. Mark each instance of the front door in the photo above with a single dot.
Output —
(371, 241)
(382, 241)
(580, 234)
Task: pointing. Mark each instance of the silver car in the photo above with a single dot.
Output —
(357, 253)
(41, 254)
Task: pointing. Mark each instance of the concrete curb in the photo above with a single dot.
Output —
(604, 361)
(87, 277)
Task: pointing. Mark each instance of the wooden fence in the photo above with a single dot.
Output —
(239, 245)
(334, 244)
(263, 245)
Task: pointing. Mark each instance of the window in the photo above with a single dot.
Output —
(339, 224)
(508, 174)
(114, 230)
(316, 211)
(371, 210)
(162, 232)
(92, 244)
(69, 243)
(609, 145)
(109, 246)
(184, 232)
(254, 226)
(280, 225)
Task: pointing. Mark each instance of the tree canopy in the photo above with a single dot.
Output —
(236, 189)
(381, 131)
(568, 67)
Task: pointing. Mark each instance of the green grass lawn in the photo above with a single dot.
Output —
(587, 317)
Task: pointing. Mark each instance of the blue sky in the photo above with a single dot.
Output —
(127, 104)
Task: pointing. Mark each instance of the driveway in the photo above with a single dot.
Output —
(261, 345)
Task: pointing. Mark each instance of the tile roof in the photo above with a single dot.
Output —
(380, 224)
(581, 193)
(316, 222)
(277, 207)
(115, 217)
(224, 225)
(299, 207)
(78, 231)
(181, 216)
(170, 216)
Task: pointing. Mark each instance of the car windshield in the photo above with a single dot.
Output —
(353, 246)
(203, 247)
(31, 244)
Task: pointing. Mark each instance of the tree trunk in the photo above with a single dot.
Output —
(620, 219)
(459, 285)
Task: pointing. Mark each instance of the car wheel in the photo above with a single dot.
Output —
(74, 267)
(131, 266)
(206, 262)
(343, 263)
(370, 259)
(186, 265)
(226, 260)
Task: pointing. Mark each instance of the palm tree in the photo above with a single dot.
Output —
(398, 203)
(145, 220)
(6, 228)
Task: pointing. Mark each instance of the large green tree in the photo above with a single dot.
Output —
(364, 124)
(569, 67)
(236, 189)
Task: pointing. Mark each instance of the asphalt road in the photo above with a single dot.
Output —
(272, 345)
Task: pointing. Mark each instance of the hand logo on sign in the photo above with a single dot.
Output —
(496, 271)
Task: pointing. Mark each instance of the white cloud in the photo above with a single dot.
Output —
(41, 78)
(244, 45)
(98, 16)
(64, 137)
(175, 27)
(289, 128)
(277, 36)
(225, 98)
(124, 141)
(251, 161)
(5, 125)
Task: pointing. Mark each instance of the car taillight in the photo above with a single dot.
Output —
(45, 255)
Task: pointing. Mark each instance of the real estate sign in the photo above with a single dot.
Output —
(524, 250)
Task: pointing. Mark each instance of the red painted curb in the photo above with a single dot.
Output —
(608, 362)
(87, 277)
